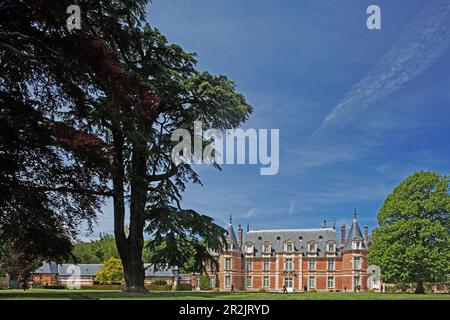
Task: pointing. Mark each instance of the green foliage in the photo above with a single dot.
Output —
(95, 251)
(104, 287)
(155, 287)
(160, 282)
(205, 282)
(412, 242)
(111, 272)
(184, 287)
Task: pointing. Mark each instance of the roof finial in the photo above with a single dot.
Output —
(354, 215)
(334, 223)
(231, 219)
(248, 227)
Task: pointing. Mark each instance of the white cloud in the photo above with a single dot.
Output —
(420, 44)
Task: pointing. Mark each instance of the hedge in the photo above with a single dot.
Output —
(184, 287)
(155, 287)
(103, 287)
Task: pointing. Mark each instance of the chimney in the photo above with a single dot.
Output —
(324, 224)
(240, 236)
(343, 233)
(366, 235)
(248, 227)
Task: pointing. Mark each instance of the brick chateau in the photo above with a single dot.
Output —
(295, 258)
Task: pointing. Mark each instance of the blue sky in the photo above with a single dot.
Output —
(358, 110)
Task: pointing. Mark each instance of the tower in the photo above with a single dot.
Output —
(354, 259)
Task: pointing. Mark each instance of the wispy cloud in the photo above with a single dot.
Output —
(420, 44)
(292, 207)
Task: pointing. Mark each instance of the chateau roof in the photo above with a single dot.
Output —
(232, 237)
(299, 237)
(90, 270)
(355, 232)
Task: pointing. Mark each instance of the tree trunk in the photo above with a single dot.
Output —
(419, 287)
(130, 247)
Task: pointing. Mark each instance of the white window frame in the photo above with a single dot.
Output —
(266, 285)
(312, 265)
(330, 278)
(266, 262)
(247, 278)
(228, 266)
(227, 281)
(291, 264)
(313, 278)
(248, 264)
(331, 262)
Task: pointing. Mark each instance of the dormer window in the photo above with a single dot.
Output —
(357, 244)
(331, 247)
(312, 247)
(249, 248)
(266, 248)
(289, 247)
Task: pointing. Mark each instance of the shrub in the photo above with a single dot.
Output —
(262, 290)
(153, 287)
(205, 283)
(184, 287)
(54, 287)
(159, 282)
(37, 285)
(111, 272)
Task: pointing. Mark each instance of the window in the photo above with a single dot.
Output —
(330, 282)
(300, 238)
(266, 281)
(288, 282)
(266, 248)
(289, 264)
(266, 264)
(312, 265)
(331, 248)
(356, 282)
(248, 281)
(357, 244)
(320, 238)
(311, 247)
(357, 263)
(289, 247)
(227, 281)
(212, 281)
(330, 264)
(312, 282)
(248, 264)
(227, 263)
(249, 248)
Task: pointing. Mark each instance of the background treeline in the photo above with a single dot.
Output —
(104, 248)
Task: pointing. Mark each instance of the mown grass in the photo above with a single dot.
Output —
(47, 294)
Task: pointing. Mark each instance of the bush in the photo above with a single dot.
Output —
(154, 287)
(111, 272)
(184, 287)
(159, 282)
(262, 290)
(205, 282)
(37, 285)
(54, 287)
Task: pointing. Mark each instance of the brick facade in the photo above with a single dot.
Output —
(295, 258)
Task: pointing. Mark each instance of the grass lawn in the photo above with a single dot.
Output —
(47, 294)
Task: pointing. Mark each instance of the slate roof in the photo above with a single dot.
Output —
(231, 237)
(89, 270)
(354, 232)
(300, 238)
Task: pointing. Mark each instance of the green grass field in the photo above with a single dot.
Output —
(47, 294)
